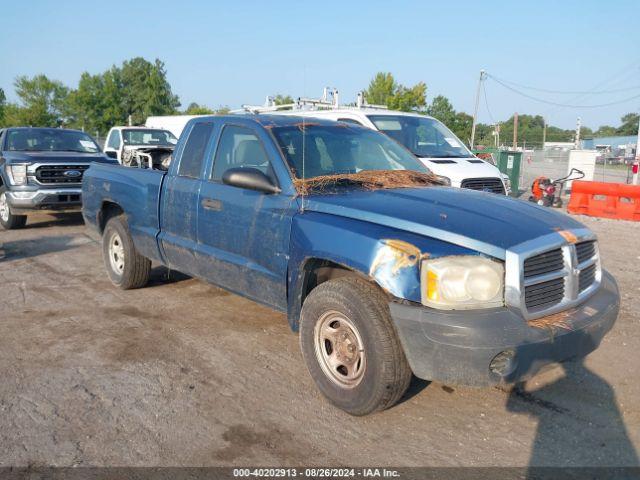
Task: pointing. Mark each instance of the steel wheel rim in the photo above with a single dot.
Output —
(339, 349)
(4, 207)
(116, 254)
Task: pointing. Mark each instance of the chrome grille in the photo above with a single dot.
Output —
(586, 277)
(545, 294)
(59, 174)
(557, 278)
(493, 185)
(544, 263)
(585, 251)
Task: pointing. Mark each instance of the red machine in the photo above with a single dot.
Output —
(546, 192)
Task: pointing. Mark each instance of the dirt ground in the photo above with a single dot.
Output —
(182, 373)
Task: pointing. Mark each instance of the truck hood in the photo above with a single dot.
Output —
(481, 221)
(458, 169)
(55, 157)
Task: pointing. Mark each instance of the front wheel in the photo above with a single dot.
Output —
(8, 220)
(126, 268)
(351, 348)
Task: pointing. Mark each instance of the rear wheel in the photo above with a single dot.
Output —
(126, 268)
(351, 348)
(8, 220)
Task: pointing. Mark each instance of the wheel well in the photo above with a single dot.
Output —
(108, 210)
(318, 271)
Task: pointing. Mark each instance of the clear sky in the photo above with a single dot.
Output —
(234, 52)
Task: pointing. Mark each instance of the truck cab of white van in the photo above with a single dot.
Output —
(427, 138)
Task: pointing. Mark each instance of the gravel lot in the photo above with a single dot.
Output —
(182, 373)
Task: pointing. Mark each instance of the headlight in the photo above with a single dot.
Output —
(17, 174)
(445, 180)
(462, 282)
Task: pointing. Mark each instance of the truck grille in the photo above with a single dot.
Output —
(544, 263)
(493, 185)
(586, 277)
(60, 174)
(585, 251)
(545, 294)
(559, 276)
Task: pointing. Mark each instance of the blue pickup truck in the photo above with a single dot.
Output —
(41, 170)
(382, 272)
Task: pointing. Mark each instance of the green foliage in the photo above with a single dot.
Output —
(42, 102)
(384, 90)
(3, 104)
(196, 109)
(629, 124)
(283, 99)
(459, 123)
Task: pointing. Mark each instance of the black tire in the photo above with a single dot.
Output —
(135, 268)
(10, 221)
(386, 374)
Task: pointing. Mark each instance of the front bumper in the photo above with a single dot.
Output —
(458, 347)
(53, 199)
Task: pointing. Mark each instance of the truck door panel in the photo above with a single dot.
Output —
(179, 207)
(244, 234)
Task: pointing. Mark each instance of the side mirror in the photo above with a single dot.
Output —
(250, 179)
(112, 154)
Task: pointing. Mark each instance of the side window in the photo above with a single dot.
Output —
(193, 153)
(239, 147)
(350, 120)
(114, 140)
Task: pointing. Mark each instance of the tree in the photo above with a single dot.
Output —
(138, 88)
(145, 90)
(629, 124)
(283, 99)
(384, 90)
(196, 109)
(42, 102)
(3, 102)
(442, 109)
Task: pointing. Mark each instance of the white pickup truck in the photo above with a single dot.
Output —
(428, 139)
(141, 146)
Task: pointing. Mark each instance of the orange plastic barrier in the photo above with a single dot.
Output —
(607, 200)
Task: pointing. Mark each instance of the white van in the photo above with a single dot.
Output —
(427, 138)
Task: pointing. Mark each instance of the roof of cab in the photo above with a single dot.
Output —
(269, 121)
(45, 128)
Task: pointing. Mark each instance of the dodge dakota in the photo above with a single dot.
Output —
(41, 169)
(382, 272)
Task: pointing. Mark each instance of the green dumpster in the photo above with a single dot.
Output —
(508, 162)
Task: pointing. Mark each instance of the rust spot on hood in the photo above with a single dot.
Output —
(567, 235)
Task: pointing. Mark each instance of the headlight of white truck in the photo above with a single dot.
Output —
(462, 282)
(17, 174)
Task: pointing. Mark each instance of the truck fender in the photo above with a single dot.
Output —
(322, 244)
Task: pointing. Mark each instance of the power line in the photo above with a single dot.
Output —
(548, 102)
(486, 103)
(567, 92)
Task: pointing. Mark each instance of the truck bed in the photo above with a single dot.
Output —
(136, 191)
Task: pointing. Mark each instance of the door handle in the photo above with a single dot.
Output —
(211, 204)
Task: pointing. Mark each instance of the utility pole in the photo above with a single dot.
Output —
(637, 162)
(578, 128)
(515, 130)
(544, 132)
(130, 121)
(475, 111)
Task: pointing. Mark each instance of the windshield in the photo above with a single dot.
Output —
(50, 140)
(425, 137)
(141, 136)
(340, 149)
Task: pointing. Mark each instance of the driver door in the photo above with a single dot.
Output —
(243, 234)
